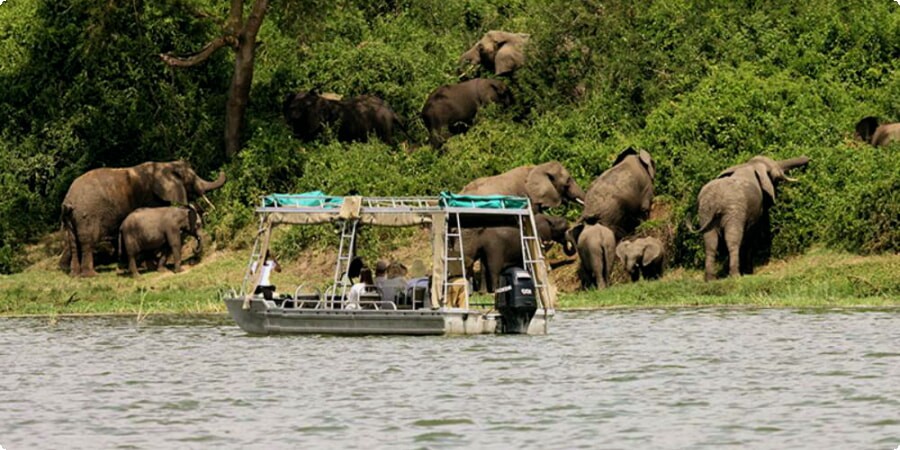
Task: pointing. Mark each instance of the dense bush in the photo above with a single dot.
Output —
(702, 85)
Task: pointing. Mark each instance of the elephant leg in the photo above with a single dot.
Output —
(162, 260)
(734, 236)
(174, 240)
(132, 264)
(87, 260)
(635, 274)
(711, 244)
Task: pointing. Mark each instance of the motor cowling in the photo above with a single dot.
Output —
(516, 300)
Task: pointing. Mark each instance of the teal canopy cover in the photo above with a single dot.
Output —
(307, 199)
(483, 201)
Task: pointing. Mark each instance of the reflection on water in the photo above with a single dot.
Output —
(635, 379)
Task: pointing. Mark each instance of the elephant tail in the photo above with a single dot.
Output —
(704, 227)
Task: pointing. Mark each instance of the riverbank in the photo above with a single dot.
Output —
(818, 279)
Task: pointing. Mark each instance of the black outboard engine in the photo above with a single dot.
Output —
(515, 300)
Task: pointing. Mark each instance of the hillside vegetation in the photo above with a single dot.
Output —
(700, 84)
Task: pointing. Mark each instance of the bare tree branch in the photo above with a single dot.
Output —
(202, 55)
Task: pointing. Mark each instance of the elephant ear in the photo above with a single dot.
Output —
(540, 188)
(652, 252)
(572, 234)
(764, 181)
(648, 163)
(169, 186)
(621, 249)
(508, 59)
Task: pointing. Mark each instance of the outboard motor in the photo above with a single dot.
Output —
(515, 300)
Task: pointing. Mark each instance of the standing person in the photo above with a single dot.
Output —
(365, 285)
(380, 272)
(265, 286)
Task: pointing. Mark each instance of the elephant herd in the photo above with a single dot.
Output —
(730, 208)
(449, 109)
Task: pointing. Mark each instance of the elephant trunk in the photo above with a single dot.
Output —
(204, 186)
(569, 247)
(575, 193)
(793, 163)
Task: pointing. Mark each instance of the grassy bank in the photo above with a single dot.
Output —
(820, 278)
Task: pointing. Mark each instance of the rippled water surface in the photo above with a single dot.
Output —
(636, 379)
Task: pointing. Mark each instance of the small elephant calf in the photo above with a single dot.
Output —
(642, 257)
(595, 244)
(149, 231)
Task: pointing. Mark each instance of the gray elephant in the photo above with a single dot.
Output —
(733, 204)
(642, 257)
(500, 52)
(99, 200)
(621, 197)
(308, 112)
(596, 245)
(454, 106)
(869, 130)
(547, 185)
(500, 247)
(154, 231)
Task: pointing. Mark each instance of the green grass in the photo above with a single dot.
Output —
(819, 279)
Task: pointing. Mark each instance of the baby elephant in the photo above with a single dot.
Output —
(149, 231)
(642, 256)
(596, 245)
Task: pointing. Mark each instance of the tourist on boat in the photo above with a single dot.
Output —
(265, 286)
(366, 284)
(380, 271)
(393, 287)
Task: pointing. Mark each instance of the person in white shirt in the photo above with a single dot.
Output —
(265, 286)
(365, 285)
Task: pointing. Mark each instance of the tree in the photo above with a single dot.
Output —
(241, 37)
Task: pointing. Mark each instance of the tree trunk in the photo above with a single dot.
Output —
(242, 38)
(239, 93)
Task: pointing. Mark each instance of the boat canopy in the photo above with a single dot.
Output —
(316, 208)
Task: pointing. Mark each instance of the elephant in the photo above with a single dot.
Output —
(547, 185)
(99, 200)
(596, 246)
(869, 130)
(642, 257)
(154, 230)
(731, 206)
(500, 52)
(454, 106)
(500, 247)
(308, 112)
(621, 197)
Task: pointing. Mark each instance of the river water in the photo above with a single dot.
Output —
(629, 380)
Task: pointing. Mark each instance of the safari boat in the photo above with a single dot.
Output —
(438, 304)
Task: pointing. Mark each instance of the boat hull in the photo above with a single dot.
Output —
(265, 318)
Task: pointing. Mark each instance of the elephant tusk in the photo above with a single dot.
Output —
(790, 179)
(579, 201)
(211, 206)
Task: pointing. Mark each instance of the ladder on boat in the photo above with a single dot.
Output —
(533, 258)
(346, 250)
(454, 233)
(254, 254)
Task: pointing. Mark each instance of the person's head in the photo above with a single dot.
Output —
(356, 265)
(381, 268)
(365, 276)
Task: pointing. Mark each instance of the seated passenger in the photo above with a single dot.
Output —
(380, 271)
(394, 286)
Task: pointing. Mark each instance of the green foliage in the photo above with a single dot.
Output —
(702, 85)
